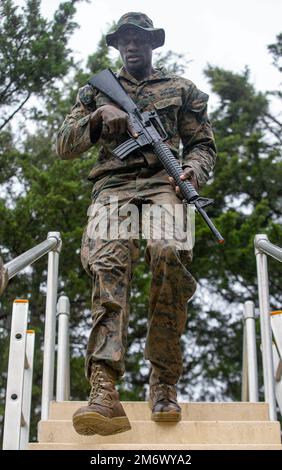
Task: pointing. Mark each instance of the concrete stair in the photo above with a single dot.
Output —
(204, 426)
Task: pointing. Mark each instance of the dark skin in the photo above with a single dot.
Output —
(135, 48)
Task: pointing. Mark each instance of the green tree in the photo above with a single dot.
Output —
(276, 51)
(33, 52)
(247, 191)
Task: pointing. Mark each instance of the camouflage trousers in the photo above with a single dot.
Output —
(111, 263)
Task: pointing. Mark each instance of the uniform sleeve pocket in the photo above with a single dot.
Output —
(198, 106)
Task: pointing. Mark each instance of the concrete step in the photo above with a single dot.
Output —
(170, 446)
(235, 411)
(184, 432)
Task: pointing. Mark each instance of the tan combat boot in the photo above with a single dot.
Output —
(104, 414)
(163, 400)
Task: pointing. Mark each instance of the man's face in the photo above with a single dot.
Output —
(135, 48)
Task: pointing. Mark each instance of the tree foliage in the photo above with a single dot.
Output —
(276, 51)
(247, 191)
(33, 52)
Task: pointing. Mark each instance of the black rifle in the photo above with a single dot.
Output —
(150, 133)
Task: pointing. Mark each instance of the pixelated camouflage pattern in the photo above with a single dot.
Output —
(183, 111)
(138, 20)
(181, 106)
(86, 96)
(111, 263)
(135, 18)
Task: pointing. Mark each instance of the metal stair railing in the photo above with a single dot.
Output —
(264, 248)
(276, 324)
(19, 382)
(250, 367)
(63, 359)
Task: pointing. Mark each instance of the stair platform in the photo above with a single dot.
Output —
(204, 426)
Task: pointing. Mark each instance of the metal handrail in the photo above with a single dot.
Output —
(264, 247)
(52, 246)
(63, 359)
(250, 368)
(3, 276)
(50, 329)
(52, 242)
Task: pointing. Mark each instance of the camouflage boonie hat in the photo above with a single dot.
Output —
(140, 21)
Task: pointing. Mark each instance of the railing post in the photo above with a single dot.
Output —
(63, 370)
(14, 393)
(276, 325)
(278, 380)
(27, 388)
(245, 384)
(266, 335)
(251, 351)
(3, 276)
(50, 327)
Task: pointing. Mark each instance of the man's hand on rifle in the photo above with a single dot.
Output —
(115, 120)
(188, 174)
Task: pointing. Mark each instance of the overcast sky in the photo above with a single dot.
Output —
(229, 34)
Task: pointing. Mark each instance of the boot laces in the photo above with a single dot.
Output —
(97, 380)
(164, 392)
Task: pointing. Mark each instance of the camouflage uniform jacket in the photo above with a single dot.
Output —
(181, 106)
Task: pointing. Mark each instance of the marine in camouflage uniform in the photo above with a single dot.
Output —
(138, 179)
